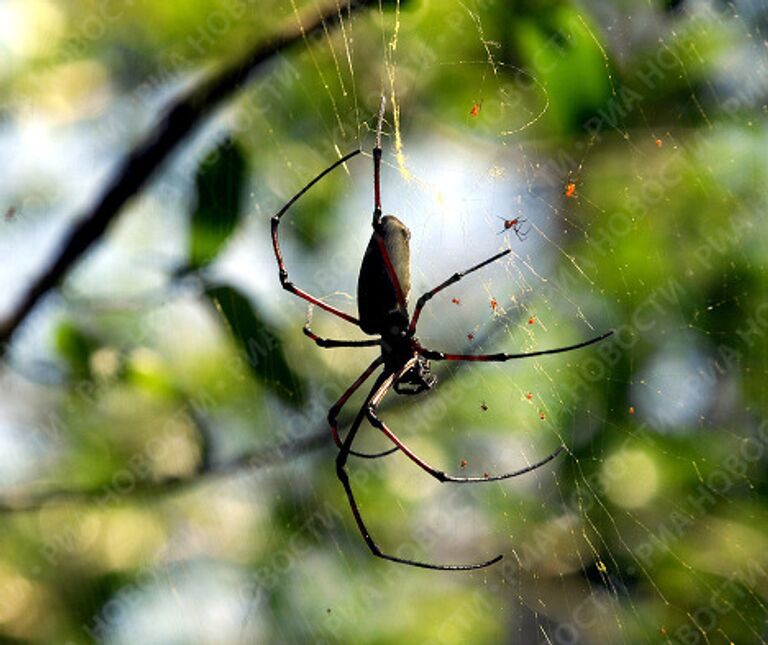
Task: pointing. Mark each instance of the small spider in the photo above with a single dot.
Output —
(383, 287)
(483, 406)
(516, 225)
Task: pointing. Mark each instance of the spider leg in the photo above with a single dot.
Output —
(501, 356)
(382, 385)
(333, 413)
(377, 164)
(522, 234)
(329, 343)
(440, 475)
(284, 281)
(452, 280)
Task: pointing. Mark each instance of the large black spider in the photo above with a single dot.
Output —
(382, 299)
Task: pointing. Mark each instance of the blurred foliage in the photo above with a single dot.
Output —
(259, 343)
(75, 346)
(562, 53)
(218, 208)
(652, 528)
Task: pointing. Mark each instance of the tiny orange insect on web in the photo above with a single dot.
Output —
(570, 189)
(475, 109)
(516, 224)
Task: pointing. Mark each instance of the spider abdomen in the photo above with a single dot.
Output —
(385, 279)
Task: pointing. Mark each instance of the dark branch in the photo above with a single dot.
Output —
(258, 459)
(181, 118)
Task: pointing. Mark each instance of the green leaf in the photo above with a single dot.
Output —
(561, 49)
(259, 343)
(217, 211)
(75, 347)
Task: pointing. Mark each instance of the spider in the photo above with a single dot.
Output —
(516, 225)
(382, 298)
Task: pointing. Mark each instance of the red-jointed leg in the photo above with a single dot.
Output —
(440, 475)
(442, 356)
(377, 164)
(330, 343)
(384, 381)
(452, 280)
(287, 284)
(333, 413)
(388, 265)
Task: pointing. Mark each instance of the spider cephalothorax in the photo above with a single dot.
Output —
(382, 294)
(417, 379)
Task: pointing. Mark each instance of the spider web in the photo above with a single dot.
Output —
(622, 539)
(642, 214)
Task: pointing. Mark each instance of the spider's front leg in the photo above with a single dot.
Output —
(383, 383)
(440, 475)
(333, 413)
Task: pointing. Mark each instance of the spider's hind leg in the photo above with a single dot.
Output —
(423, 300)
(282, 271)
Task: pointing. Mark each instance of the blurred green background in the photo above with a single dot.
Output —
(167, 473)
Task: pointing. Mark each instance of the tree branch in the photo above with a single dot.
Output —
(181, 118)
(258, 459)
